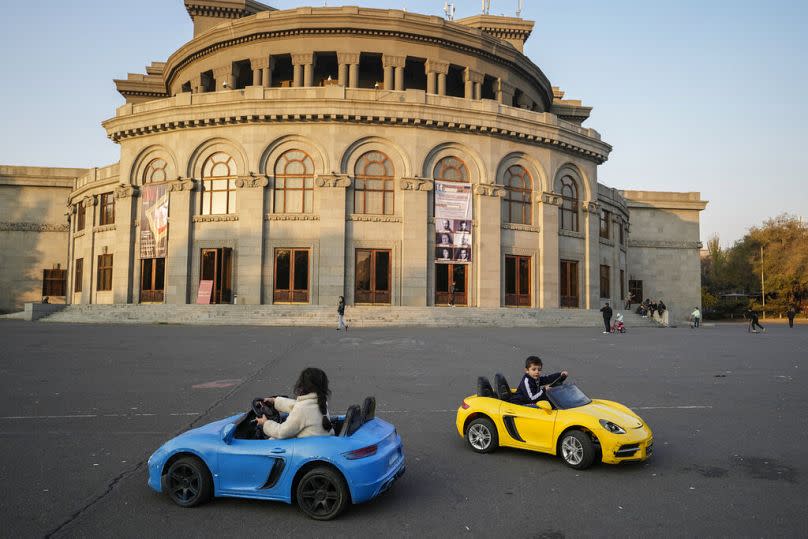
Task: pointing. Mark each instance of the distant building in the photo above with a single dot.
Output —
(299, 155)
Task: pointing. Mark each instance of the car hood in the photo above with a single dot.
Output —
(603, 410)
(214, 428)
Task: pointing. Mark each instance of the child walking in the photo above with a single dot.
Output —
(341, 314)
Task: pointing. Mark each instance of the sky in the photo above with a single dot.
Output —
(694, 95)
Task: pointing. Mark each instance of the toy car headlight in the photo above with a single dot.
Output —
(612, 427)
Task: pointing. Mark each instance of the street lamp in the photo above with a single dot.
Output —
(762, 283)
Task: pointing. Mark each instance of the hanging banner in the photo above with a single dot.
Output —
(452, 223)
(153, 221)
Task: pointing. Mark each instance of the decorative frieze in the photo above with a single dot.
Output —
(519, 227)
(375, 218)
(261, 62)
(394, 61)
(125, 191)
(306, 58)
(473, 76)
(90, 201)
(416, 184)
(252, 182)
(291, 217)
(433, 66)
(489, 190)
(104, 228)
(592, 207)
(7, 226)
(215, 218)
(79, 234)
(181, 184)
(333, 180)
(553, 199)
(349, 58)
(665, 244)
(570, 233)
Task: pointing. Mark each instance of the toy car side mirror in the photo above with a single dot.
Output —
(544, 405)
(227, 433)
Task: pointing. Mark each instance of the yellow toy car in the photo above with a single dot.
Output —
(571, 425)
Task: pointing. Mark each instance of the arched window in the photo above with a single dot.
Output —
(517, 206)
(451, 169)
(155, 171)
(373, 184)
(219, 184)
(294, 183)
(569, 204)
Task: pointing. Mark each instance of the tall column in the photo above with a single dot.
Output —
(472, 78)
(224, 77)
(487, 244)
(392, 73)
(250, 238)
(348, 69)
(415, 241)
(178, 261)
(88, 252)
(259, 67)
(591, 255)
(122, 260)
(436, 73)
(331, 193)
(196, 84)
(266, 78)
(478, 90)
(303, 70)
(505, 92)
(549, 261)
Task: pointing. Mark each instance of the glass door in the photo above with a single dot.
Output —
(291, 276)
(152, 280)
(372, 282)
(517, 281)
(217, 266)
(445, 275)
(569, 284)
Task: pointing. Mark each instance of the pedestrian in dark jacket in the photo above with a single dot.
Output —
(533, 386)
(607, 317)
(791, 313)
(341, 314)
(754, 321)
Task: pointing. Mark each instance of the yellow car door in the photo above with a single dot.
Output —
(531, 425)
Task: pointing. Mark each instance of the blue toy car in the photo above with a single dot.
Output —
(232, 458)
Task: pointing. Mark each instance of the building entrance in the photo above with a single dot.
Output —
(291, 276)
(444, 275)
(372, 277)
(569, 284)
(517, 281)
(152, 280)
(217, 266)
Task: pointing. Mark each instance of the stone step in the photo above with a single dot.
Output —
(322, 316)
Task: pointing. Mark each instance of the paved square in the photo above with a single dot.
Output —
(82, 407)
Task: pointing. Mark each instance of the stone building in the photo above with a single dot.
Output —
(293, 157)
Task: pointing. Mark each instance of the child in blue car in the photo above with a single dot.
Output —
(533, 386)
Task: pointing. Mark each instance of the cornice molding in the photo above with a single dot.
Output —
(571, 234)
(375, 218)
(90, 201)
(125, 191)
(333, 180)
(393, 61)
(489, 190)
(80, 233)
(520, 227)
(416, 184)
(348, 58)
(303, 58)
(592, 207)
(182, 184)
(433, 66)
(7, 226)
(104, 228)
(291, 217)
(225, 217)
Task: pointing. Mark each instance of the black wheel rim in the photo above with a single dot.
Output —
(183, 483)
(319, 495)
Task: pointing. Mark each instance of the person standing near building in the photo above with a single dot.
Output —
(695, 317)
(607, 317)
(341, 314)
(791, 313)
(452, 291)
(628, 299)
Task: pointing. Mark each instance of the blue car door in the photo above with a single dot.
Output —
(254, 467)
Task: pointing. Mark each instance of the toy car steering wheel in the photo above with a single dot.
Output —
(558, 381)
(262, 408)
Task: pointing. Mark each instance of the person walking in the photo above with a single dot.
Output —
(754, 321)
(452, 291)
(791, 313)
(607, 317)
(628, 298)
(341, 314)
(695, 317)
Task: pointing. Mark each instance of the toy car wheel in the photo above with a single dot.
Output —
(577, 450)
(188, 482)
(322, 494)
(482, 435)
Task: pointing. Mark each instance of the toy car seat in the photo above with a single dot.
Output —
(353, 420)
(503, 389)
(368, 409)
(484, 388)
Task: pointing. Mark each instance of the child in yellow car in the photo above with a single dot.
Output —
(533, 386)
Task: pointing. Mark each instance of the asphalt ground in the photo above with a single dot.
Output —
(82, 407)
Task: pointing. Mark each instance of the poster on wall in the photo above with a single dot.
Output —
(452, 223)
(153, 221)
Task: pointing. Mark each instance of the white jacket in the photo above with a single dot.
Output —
(305, 418)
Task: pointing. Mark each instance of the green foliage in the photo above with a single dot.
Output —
(778, 249)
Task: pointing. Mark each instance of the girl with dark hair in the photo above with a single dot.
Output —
(308, 412)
